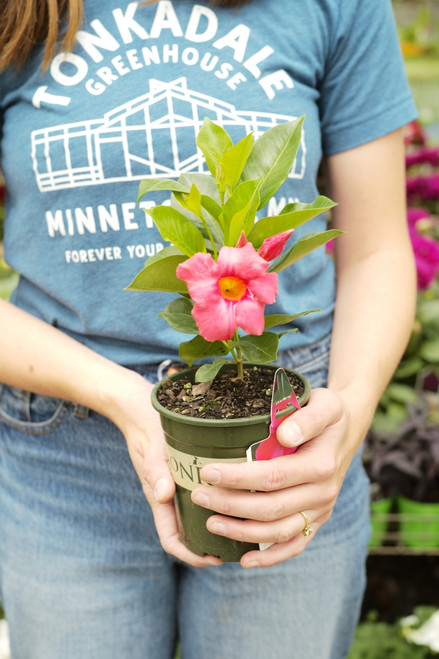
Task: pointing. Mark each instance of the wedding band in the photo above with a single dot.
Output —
(307, 530)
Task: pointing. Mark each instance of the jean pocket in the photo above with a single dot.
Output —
(31, 413)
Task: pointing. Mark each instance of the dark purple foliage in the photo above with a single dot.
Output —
(406, 462)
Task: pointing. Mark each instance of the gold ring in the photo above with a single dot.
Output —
(307, 530)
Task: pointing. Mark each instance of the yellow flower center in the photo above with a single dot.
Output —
(232, 288)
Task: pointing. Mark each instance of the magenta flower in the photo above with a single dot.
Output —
(229, 293)
(414, 133)
(415, 214)
(423, 187)
(424, 155)
(426, 252)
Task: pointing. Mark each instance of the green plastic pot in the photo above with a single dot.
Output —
(419, 523)
(380, 510)
(193, 443)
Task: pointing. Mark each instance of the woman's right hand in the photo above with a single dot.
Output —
(38, 357)
(140, 423)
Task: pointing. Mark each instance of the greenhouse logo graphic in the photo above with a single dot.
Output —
(140, 139)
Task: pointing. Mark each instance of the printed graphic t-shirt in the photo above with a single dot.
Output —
(127, 103)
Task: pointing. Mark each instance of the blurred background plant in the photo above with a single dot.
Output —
(413, 637)
(8, 278)
(418, 372)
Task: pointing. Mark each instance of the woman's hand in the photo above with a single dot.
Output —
(38, 357)
(261, 501)
(372, 324)
(141, 426)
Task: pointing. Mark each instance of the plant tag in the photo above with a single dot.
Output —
(283, 403)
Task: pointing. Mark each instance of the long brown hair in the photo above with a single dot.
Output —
(26, 23)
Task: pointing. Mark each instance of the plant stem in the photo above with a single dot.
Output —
(238, 357)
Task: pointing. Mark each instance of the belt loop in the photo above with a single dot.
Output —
(162, 368)
(81, 412)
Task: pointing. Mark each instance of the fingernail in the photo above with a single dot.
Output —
(215, 561)
(211, 476)
(292, 434)
(251, 564)
(200, 498)
(218, 528)
(161, 489)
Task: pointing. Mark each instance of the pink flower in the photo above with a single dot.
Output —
(229, 293)
(272, 246)
(424, 155)
(426, 252)
(414, 133)
(415, 214)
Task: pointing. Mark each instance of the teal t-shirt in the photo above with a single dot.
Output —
(127, 103)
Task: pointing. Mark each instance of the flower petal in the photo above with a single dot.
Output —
(249, 314)
(241, 262)
(242, 240)
(265, 287)
(216, 322)
(273, 246)
(200, 273)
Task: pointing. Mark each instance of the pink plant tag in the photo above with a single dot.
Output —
(283, 403)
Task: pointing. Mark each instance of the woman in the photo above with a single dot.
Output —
(88, 567)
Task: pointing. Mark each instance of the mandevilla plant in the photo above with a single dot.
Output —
(222, 262)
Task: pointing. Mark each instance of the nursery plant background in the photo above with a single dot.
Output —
(402, 449)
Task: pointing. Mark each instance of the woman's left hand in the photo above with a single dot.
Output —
(260, 502)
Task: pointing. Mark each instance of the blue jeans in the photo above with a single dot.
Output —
(83, 575)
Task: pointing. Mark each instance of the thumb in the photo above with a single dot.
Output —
(290, 433)
(164, 489)
(156, 474)
(322, 410)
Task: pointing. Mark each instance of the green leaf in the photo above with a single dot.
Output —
(233, 161)
(282, 318)
(204, 182)
(178, 315)
(430, 351)
(213, 226)
(212, 207)
(176, 228)
(401, 393)
(304, 246)
(409, 367)
(199, 348)
(428, 313)
(159, 273)
(395, 414)
(272, 157)
(191, 201)
(210, 199)
(260, 349)
(288, 331)
(297, 215)
(240, 211)
(156, 184)
(214, 210)
(214, 142)
(208, 372)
